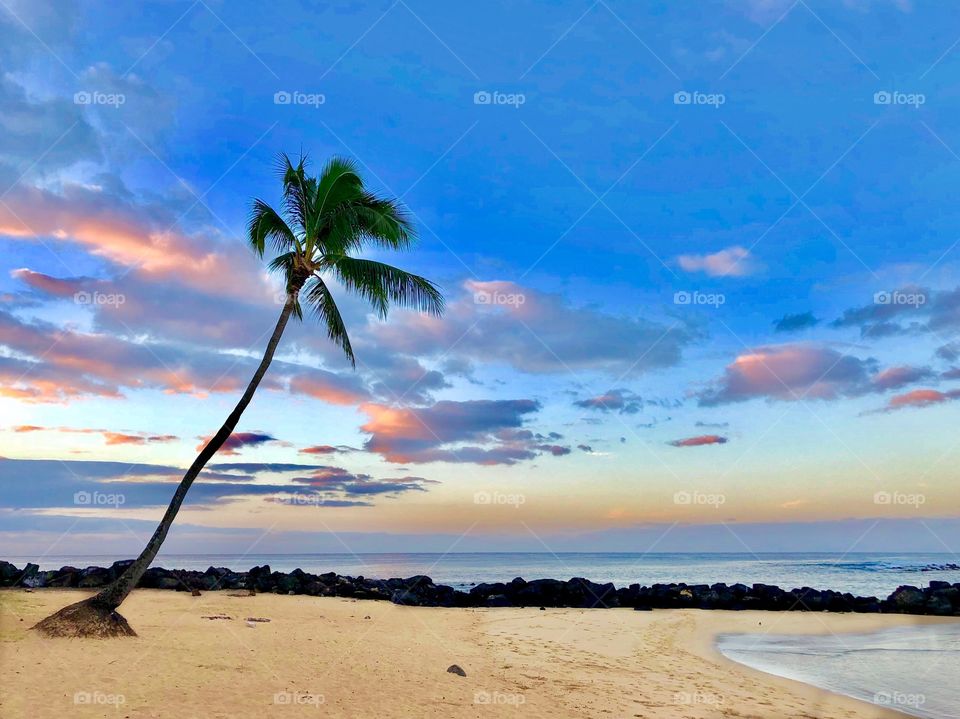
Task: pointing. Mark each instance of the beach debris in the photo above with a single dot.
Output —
(367, 616)
(257, 619)
(194, 592)
(215, 616)
(455, 669)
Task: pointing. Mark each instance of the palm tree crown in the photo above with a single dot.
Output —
(324, 219)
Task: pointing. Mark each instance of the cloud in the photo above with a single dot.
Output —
(733, 261)
(40, 136)
(238, 441)
(111, 437)
(908, 310)
(795, 323)
(790, 372)
(347, 390)
(698, 441)
(475, 431)
(620, 400)
(46, 363)
(117, 227)
(337, 479)
(897, 377)
(499, 322)
(74, 484)
(323, 449)
(918, 398)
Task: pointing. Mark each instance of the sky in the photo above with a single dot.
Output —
(700, 262)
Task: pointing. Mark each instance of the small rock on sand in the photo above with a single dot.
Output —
(455, 669)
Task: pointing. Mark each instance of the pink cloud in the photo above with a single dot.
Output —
(129, 234)
(790, 372)
(699, 441)
(920, 398)
(486, 432)
(734, 261)
(329, 387)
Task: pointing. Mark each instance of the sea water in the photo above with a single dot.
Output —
(913, 669)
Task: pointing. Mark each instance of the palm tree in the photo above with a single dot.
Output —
(324, 221)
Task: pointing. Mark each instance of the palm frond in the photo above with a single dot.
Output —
(265, 224)
(339, 183)
(380, 284)
(297, 199)
(324, 306)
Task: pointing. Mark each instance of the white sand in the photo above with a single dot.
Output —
(324, 657)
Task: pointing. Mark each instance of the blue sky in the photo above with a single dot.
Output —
(700, 262)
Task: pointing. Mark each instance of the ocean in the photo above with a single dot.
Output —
(864, 574)
(910, 669)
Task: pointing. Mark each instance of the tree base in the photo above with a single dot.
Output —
(85, 619)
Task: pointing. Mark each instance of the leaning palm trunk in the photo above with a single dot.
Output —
(326, 218)
(97, 616)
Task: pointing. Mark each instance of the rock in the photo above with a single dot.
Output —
(906, 600)
(95, 577)
(455, 669)
(9, 574)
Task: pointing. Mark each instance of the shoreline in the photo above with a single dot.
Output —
(378, 658)
(939, 598)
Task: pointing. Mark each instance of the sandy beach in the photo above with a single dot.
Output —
(351, 658)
